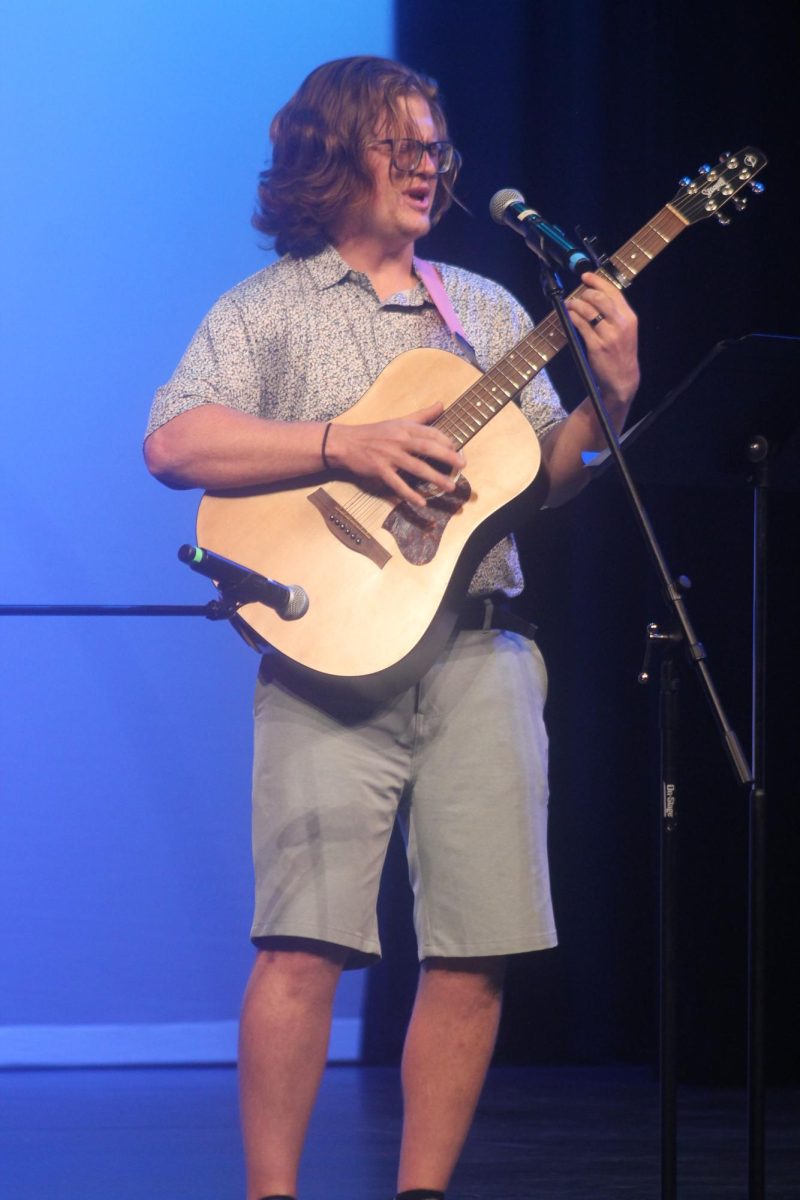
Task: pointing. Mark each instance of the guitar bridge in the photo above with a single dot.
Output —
(347, 530)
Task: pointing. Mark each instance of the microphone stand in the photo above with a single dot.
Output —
(222, 609)
(678, 632)
(215, 610)
(232, 597)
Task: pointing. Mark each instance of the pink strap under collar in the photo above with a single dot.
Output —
(430, 277)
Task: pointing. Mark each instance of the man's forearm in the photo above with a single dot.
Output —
(215, 447)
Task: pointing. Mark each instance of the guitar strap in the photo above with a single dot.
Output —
(444, 306)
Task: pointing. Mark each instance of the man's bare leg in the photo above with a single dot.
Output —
(283, 1045)
(447, 1054)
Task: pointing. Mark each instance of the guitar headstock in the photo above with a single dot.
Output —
(715, 187)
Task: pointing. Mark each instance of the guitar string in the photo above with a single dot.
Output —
(466, 410)
(464, 417)
(365, 506)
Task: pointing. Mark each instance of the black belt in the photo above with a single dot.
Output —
(489, 612)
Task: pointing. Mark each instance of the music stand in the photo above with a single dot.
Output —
(735, 422)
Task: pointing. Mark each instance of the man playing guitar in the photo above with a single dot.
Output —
(362, 168)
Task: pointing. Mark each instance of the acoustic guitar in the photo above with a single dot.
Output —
(384, 580)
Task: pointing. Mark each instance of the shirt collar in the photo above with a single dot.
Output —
(328, 268)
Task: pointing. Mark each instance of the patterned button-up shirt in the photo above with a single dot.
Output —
(303, 339)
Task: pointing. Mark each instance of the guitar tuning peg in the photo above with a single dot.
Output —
(723, 218)
(704, 170)
(685, 181)
(740, 203)
(724, 156)
(756, 186)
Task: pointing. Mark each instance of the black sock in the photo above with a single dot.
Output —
(420, 1194)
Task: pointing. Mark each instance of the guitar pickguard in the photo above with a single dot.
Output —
(418, 532)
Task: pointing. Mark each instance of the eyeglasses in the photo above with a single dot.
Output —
(407, 154)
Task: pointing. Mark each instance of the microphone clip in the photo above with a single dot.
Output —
(591, 245)
(232, 596)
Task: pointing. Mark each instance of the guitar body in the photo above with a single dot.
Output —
(382, 601)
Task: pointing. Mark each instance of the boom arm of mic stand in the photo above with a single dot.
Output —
(214, 610)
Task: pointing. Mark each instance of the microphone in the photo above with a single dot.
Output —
(508, 207)
(246, 586)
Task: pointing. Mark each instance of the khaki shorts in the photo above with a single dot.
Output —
(460, 759)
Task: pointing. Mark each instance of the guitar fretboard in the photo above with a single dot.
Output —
(467, 415)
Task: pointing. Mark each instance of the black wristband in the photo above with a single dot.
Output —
(325, 462)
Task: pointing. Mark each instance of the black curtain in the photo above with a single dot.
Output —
(594, 111)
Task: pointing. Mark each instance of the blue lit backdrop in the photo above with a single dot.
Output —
(133, 136)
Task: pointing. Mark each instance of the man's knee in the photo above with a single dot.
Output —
(297, 968)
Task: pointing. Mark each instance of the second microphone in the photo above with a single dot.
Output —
(244, 585)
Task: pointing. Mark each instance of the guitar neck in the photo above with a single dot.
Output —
(506, 379)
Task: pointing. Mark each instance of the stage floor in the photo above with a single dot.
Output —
(549, 1133)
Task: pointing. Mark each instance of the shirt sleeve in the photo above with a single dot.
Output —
(218, 367)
